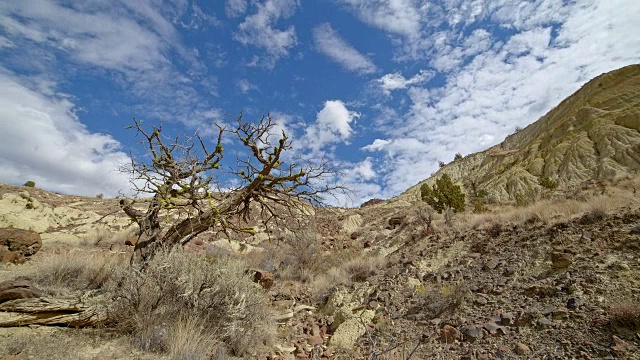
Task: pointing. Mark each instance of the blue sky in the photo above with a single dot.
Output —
(384, 89)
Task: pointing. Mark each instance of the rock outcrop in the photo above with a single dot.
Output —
(16, 245)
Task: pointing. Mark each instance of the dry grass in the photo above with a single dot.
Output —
(76, 270)
(625, 314)
(355, 270)
(552, 211)
(175, 286)
(190, 340)
(437, 301)
(103, 236)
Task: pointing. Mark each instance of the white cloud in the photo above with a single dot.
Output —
(395, 81)
(234, 8)
(258, 30)
(400, 17)
(131, 41)
(245, 86)
(43, 140)
(493, 83)
(329, 42)
(332, 125)
(364, 170)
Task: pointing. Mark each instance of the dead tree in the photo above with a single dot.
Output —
(181, 175)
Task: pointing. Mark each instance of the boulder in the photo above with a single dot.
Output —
(18, 288)
(131, 241)
(264, 278)
(16, 245)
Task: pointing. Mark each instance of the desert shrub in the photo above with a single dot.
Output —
(525, 198)
(439, 300)
(360, 269)
(443, 195)
(595, 215)
(441, 164)
(100, 196)
(494, 230)
(175, 286)
(457, 157)
(625, 314)
(30, 184)
(424, 214)
(59, 273)
(302, 261)
(547, 183)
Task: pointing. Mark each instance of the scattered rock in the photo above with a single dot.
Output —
(16, 245)
(449, 334)
(545, 323)
(560, 260)
(395, 221)
(522, 349)
(506, 319)
(264, 278)
(131, 241)
(574, 303)
(472, 333)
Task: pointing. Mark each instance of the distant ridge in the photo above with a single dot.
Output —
(591, 135)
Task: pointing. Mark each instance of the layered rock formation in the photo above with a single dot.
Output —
(594, 134)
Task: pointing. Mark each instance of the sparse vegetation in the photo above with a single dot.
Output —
(436, 301)
(547, 183)
(457, 157)
(625, 314)
(100, 196)
(441, 164)
(525, 198)
(444, 195)
(178, 293)
(30, 184)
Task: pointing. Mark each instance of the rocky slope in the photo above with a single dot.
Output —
(593, 134)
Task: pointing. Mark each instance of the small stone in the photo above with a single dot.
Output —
(472, 333)
(548, 310)
(522, 349)
(506, 319)
(449, 334)
(491, 264)
(495, 329)
(510, 270)
(503, 351)
(480, 300)
(560, 314)
(574, 303)
(545, 323)
(560, 260)
(316, 340)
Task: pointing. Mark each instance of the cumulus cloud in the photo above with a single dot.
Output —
(401, 17)
(43, 140)
(329, 42)
(131, 41)
(493, 83)
(258, 30)
(395, 81)
(332, 125)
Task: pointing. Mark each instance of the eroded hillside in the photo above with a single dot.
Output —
(593, 134)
